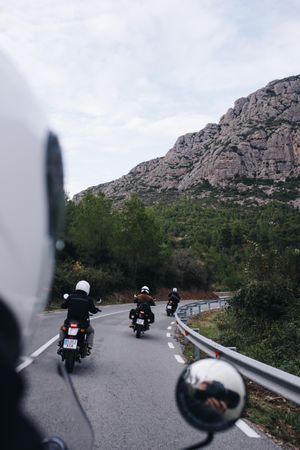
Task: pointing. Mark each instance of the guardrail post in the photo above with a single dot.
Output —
(197, 355)
(208, 305)
(199, 308)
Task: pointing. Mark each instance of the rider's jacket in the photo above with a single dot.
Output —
(79, 304)
(144, 298)
(174, 297)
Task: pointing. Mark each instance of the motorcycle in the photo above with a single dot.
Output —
(171, 308)
(140, 320)
(74, 346)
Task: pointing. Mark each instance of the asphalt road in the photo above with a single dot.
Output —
(126, 387)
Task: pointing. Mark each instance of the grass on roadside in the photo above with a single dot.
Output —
(274, 415)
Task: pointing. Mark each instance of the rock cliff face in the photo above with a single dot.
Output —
(259, 138)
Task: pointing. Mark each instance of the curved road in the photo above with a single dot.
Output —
(126, 387)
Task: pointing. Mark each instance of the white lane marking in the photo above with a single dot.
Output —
(168, 334)
(172, 323)
(171, 345)
(44, 347)
(179, 359)
(243, 426)
(169, 328)
(29, 360)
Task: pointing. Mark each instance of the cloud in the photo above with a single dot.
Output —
(122, 79)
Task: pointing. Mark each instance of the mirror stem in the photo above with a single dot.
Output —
(206, 441)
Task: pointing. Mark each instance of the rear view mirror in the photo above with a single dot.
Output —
(66, 296)
(211, 395)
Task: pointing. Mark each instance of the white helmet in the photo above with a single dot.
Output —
(174, 289)
(31, 200)
(145, 289)
(83, 286)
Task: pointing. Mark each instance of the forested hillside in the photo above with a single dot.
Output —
(189, 243)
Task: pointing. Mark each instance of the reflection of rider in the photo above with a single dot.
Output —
(145, 299)
(210, 400)
(31, 203)
(79, 304)
(226, 398)
(174, 297)
(206, 395)
(208, 410)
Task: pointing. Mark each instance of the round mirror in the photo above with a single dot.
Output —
(66, 296)
(211, 395)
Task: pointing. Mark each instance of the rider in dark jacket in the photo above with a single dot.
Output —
(79, 305)
(174, 296)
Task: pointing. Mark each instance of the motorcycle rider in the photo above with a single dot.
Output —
(79, 305)
(144, 298)
(31, 205)
(174, 297)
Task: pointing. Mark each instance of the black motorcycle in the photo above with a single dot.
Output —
(140, 319)
(171, 308)
(74, 346)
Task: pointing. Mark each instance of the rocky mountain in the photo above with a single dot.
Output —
(257, 142)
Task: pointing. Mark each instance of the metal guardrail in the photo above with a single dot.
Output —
(276, 380)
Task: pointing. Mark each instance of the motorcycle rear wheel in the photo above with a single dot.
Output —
(70, 361)
(83, 350)
(138, 333)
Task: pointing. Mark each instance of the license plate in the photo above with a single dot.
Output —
(169, 307)
(73, 331)
(70, 344)
(140, 321)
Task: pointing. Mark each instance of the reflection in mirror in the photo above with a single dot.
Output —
(211, 395)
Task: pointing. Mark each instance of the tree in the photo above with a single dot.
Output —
(91, 229)
(139, 243)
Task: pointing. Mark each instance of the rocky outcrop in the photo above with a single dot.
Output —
(259, 138)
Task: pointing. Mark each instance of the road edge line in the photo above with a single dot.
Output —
(245, 428)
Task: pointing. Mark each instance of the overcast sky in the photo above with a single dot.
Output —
(122, 79)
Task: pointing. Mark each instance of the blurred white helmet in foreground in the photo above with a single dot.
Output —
(31, 199)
